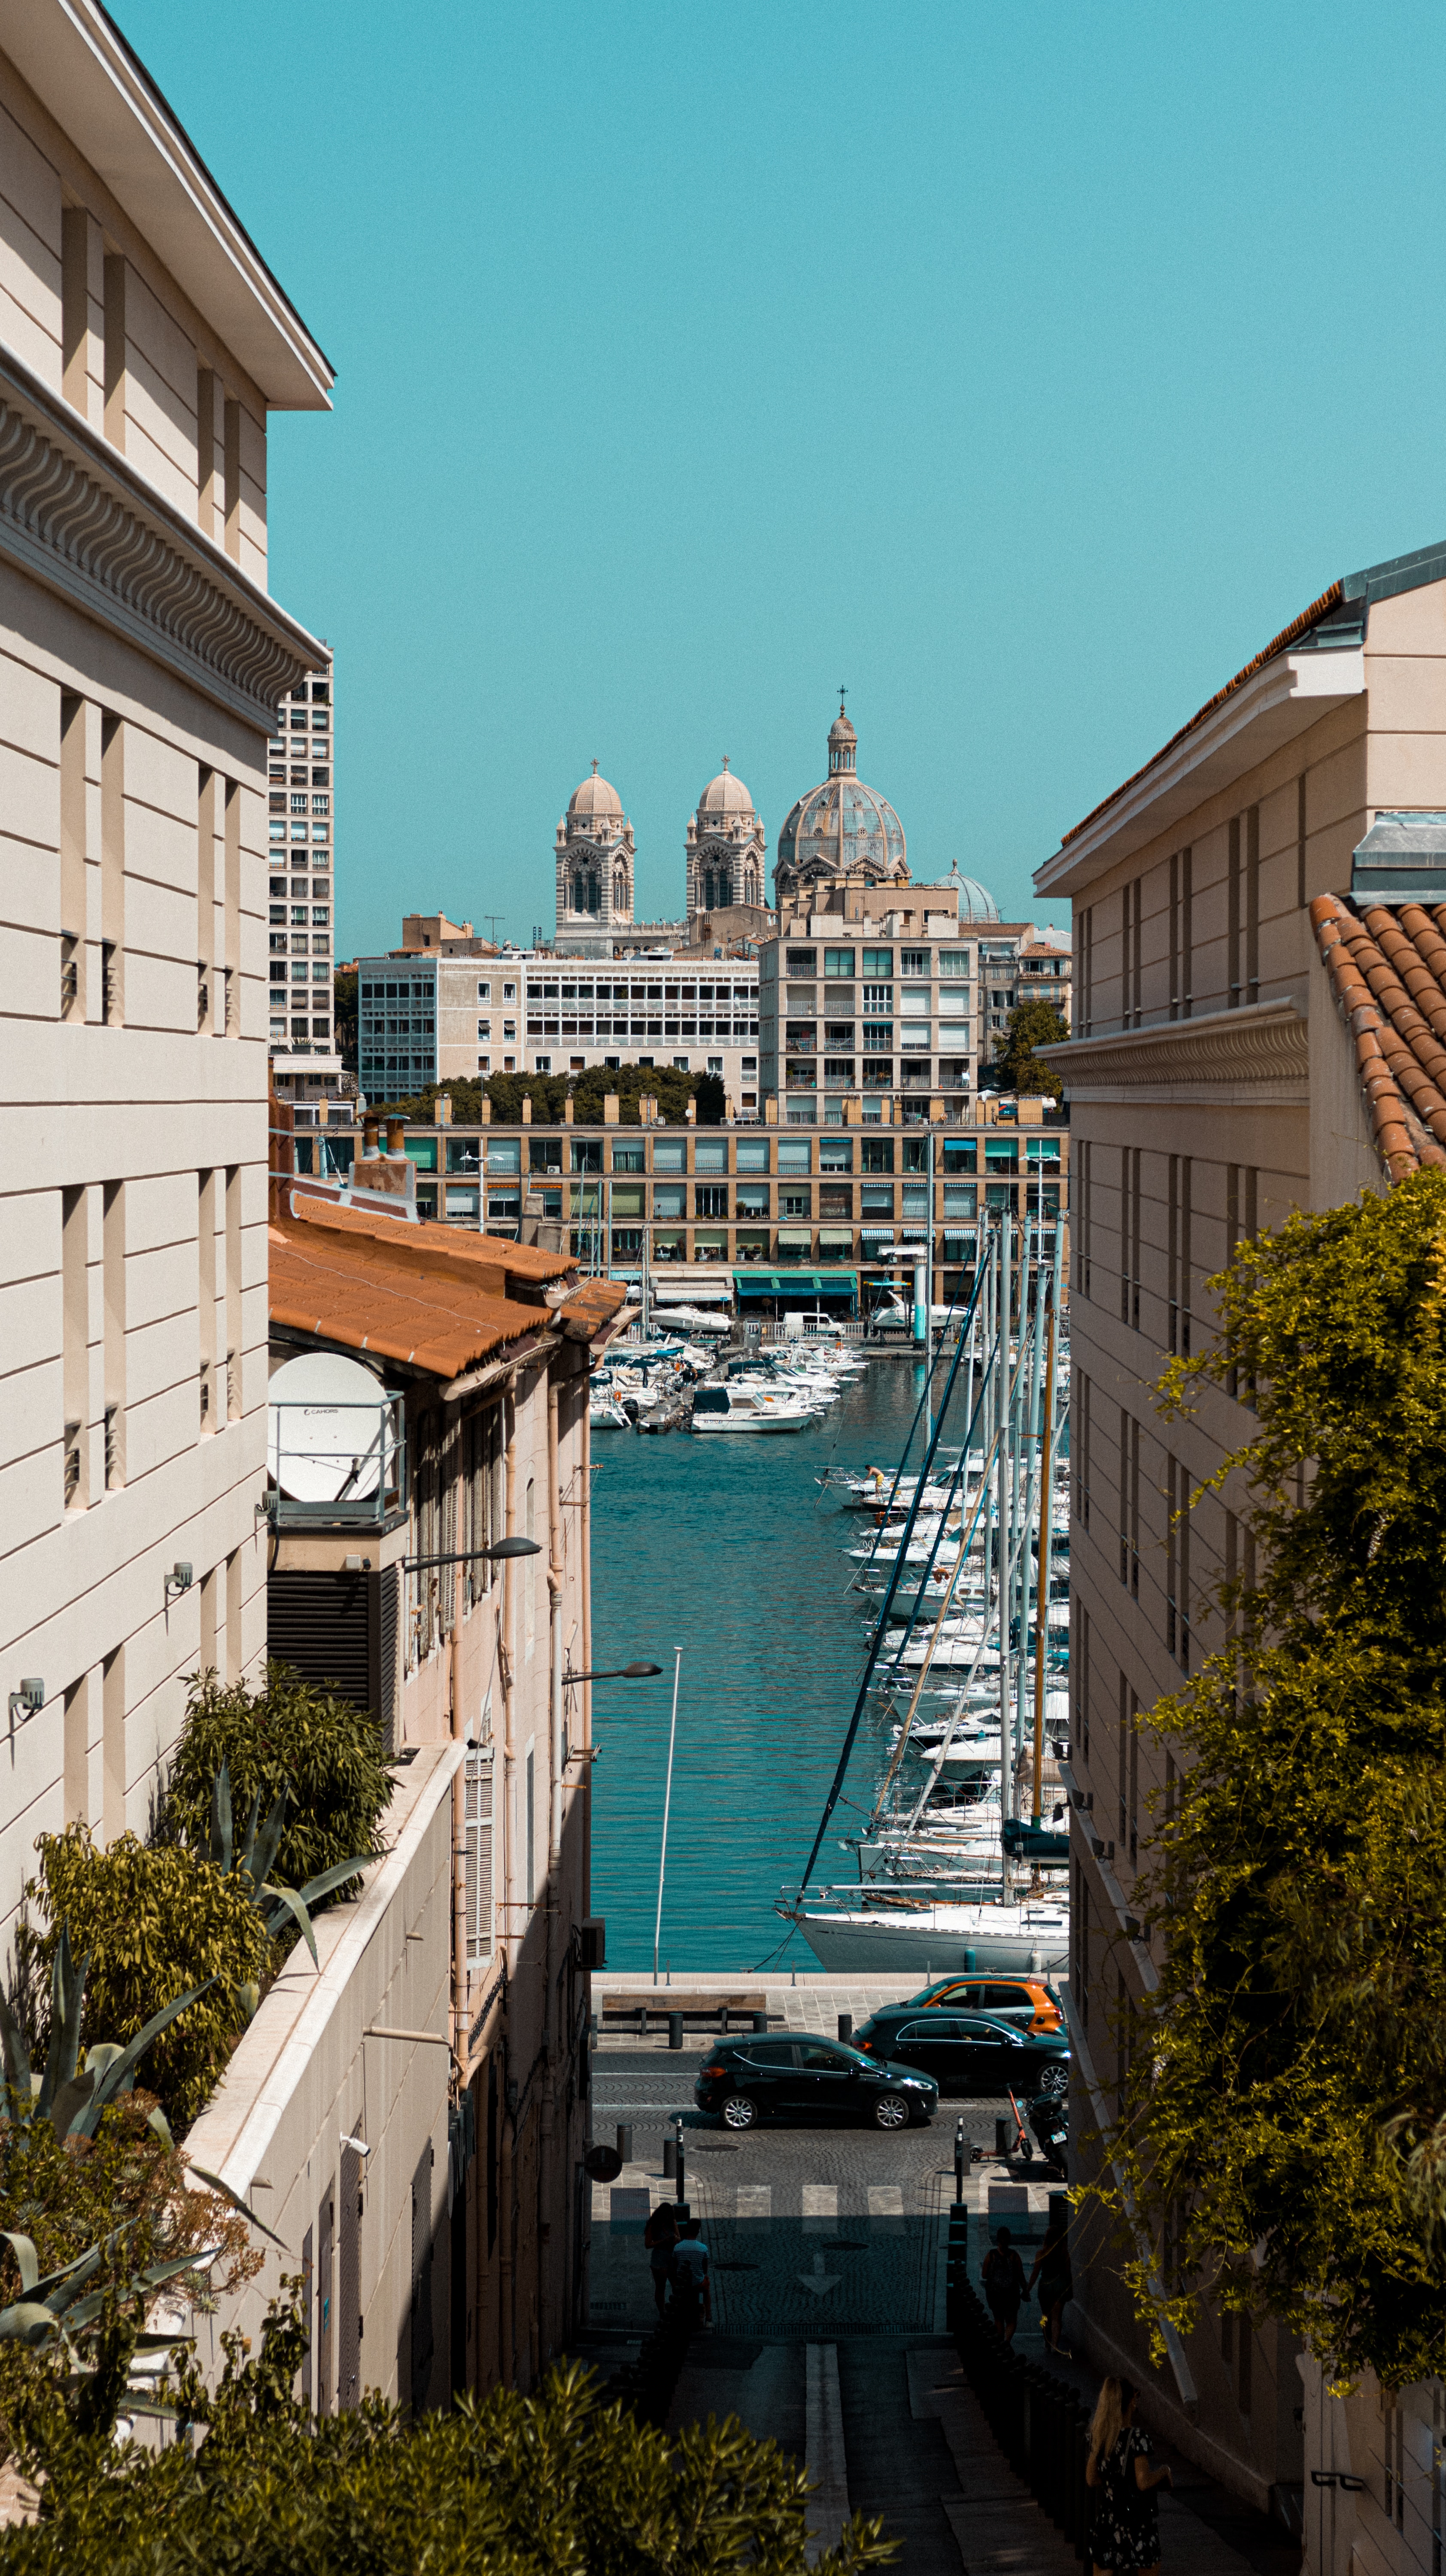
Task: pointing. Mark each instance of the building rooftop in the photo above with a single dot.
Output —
(1388, 972)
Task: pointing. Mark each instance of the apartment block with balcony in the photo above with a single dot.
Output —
(141, 664)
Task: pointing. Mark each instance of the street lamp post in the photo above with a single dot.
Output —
(667, 1803)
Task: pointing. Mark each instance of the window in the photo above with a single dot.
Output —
(321, 916)
(878, 997)
(795, 1154)
(795, 1203)
(669, 1154)
(878, 1198)
(835, 1154)
(752, 1199)
(876, 1154)
(914, 1006)
(954, 964)
(1129, 1502)
(710, 1198)
(670, 1200)
(878, 1037)
(803, 961)
(751, 1154)
(878, 961)
(710, 1154)
(961, 1198)
(838, 962)
(913, 961)
(628, 1158)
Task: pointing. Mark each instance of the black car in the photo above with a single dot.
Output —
(743, 2078)
(964, 2052)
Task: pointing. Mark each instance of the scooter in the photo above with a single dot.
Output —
(1049, 2119)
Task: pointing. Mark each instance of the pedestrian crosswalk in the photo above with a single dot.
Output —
(820, 2207)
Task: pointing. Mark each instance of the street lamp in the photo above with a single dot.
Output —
(505, 1547)
(617, 1673)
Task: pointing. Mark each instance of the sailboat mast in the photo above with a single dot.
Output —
(1022, 1493)
(1042, 1629)
(1006, 1248)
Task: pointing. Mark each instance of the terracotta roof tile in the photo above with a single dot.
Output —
(524, 1260)
(402, 1301)
(1387, 967)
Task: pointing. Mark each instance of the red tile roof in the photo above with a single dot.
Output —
(1387, 967)
(426, 1294)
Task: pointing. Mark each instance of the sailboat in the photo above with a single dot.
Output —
(959, 1577)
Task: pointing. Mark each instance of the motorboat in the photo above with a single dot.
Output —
(738, 1410)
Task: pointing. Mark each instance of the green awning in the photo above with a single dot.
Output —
(787, 1283)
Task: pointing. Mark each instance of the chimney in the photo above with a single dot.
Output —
(770, 1111)
(691, 1112)
(444, 1109)
(396, 1135)
(527, 1109)
(567, 1116)
(612, 1108)
(370, 1137)
(486, 1110)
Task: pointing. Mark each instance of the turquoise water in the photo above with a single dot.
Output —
(729, 1549)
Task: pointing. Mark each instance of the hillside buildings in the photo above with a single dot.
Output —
(1256, 964)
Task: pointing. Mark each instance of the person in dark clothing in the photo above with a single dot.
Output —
(1003, 2278)
(1056, 2281)
(1125, 2533)
(660, 2236)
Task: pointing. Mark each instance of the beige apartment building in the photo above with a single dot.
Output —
(1246, 908)
(143, 342)
(301, 912)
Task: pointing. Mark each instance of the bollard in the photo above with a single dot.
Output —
(675, 2030)
(1001, 2137)
(760, 2024)
(680, 2177)
(845, 2025)
(670, 2159)
(961, 2159)
(723, 2019)
(625, 2141)
(592, 2032)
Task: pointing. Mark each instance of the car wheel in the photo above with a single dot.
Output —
(740, 2111)
(891, 2111)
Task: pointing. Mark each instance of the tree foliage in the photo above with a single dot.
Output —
(554, 2484)
(153, 1921)
(665, 1083)
(1030, 1024)
(1285, 2122)
(344, 1015)
(325, 1752)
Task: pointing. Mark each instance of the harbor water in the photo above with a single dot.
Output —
(732, 1550)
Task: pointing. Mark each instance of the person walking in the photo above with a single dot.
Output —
(1003, 2278)
(692, 2287)
(1056, 2282)
(1125, 2534)
(660, 2237)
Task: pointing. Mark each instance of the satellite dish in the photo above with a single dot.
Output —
(330, 1436)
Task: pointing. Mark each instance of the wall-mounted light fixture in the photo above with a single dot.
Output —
(180, 1579)
(29, 1698)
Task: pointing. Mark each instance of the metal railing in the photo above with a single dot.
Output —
(336, 1464)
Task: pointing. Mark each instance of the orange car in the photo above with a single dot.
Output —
(1029, 2000)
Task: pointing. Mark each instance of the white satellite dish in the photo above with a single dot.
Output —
(330, 1436)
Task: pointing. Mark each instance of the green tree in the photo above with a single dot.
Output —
(1030, 1024)
(154, 1921)
(327, 1753)
(1285, 2106)
(343, 1005)
(549, 2485)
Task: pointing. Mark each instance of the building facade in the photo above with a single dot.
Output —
(301, 915)
(468, 1360)
(143, 662)
(433, 1018)
(1243, 1045)
(861, 1205)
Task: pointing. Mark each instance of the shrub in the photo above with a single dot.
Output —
(288, 1735)
(154, 1921)
(517, 2486)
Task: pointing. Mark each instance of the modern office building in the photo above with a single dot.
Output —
(1257, 975)
(791, 1217)
(301, 913)
(430, 1018)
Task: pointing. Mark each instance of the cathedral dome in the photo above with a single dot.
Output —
(976, 903)
(724, 794)
(841, 824)
(594, 797)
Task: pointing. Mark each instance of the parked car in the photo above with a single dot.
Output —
(963, 2052)
(744, 2078)
(1030, 2001)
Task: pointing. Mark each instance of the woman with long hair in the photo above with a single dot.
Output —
(1125, 2538)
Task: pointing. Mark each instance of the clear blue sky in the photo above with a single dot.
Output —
(1025, 369)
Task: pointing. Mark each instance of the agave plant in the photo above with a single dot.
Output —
(69, 2095)
(256, 1854)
